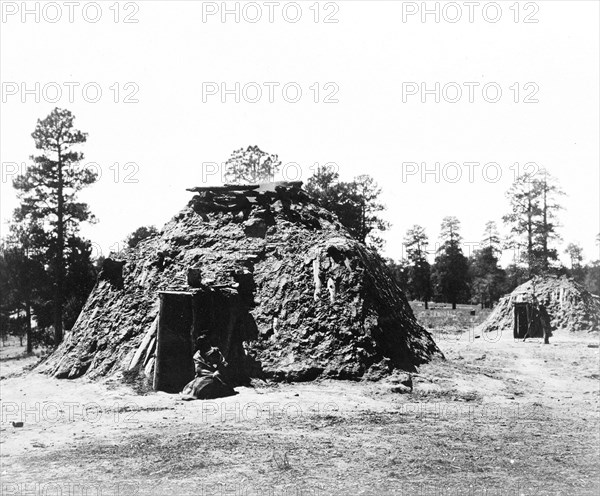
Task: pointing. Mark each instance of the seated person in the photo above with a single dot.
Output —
(209, 382)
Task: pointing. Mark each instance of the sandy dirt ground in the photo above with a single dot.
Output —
(496, 417)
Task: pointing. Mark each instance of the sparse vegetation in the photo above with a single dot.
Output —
(478, 422)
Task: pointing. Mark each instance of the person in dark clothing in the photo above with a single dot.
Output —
(538, 321)
(532, 320)
(545, 323)
(210, 381)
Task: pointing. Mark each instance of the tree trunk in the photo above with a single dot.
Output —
(545, 231)
(363, 223)
(60, 242)
(426, 305)
(453, 306)
(529, 237)
(29, 333)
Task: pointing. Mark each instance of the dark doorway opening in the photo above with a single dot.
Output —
(220, 315)
(524, 316)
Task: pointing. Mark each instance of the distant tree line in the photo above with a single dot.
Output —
(47, 270)
(478, 279)
(453, 277)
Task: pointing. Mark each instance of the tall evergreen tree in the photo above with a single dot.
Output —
(548, 191)
(491, 238)
(367, 192)
(532, 219)
(524, 209)
(419, 270)
(451, 268)
(488, 279)
(48, 196)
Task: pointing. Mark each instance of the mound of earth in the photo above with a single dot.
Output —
(570, 306)
(311, 300)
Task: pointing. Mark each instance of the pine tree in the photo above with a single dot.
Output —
(337, 197)
(524, 209)
(488, 279)
(419, 270)
(575, 253)
(532, 218)
(23, 280)
(251, 165)
(48, 196)
(491, 238)
(547, 191)
(451, 268)
(356, 203)
(367, 192)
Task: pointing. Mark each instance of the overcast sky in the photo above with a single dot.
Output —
(349, 92)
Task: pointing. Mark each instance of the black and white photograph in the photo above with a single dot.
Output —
(299, 248)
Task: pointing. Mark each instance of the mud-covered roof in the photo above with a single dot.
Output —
(322, 303)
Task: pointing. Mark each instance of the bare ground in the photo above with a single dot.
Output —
(497, 417)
